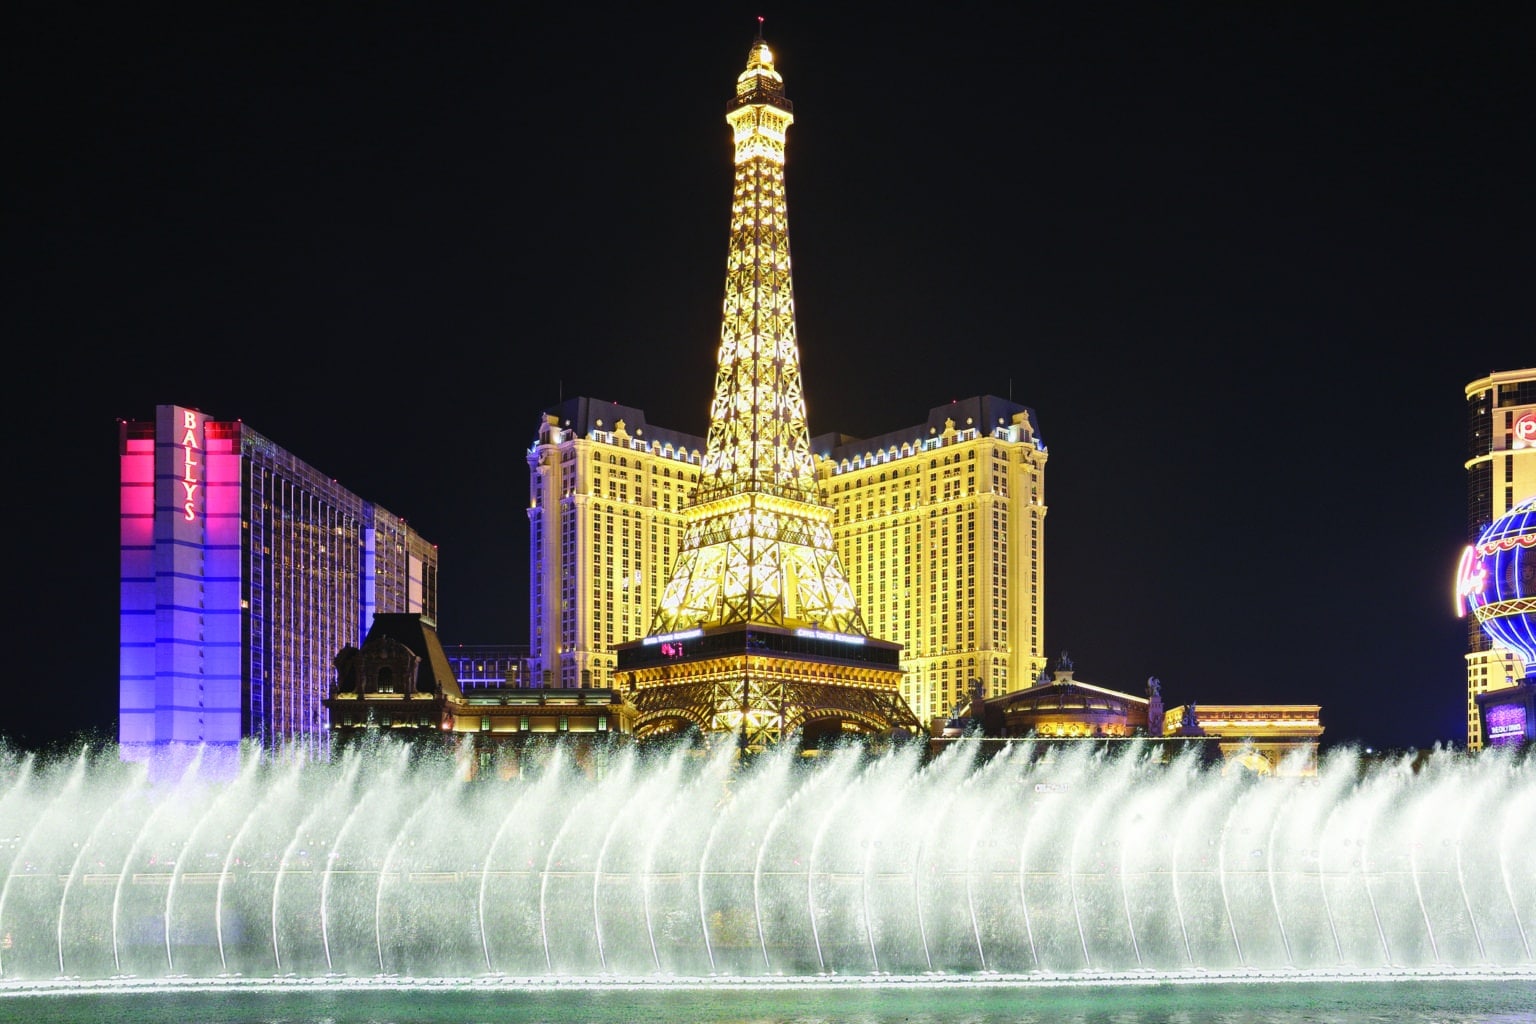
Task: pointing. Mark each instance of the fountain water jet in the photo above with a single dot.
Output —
(231, 854)
(1042, 860)
(75, 780)
(330, 870)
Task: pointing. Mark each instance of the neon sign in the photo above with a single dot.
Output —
(822, 634)
(664, 638)
(189, 464)
(1525, 431)
(1471, 578)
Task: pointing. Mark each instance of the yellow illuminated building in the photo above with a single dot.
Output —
(911, 562)
(606, 499)
(940, 528)
(1267, 739)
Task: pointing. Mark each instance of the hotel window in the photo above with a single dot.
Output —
(565, 724)
(485, 723)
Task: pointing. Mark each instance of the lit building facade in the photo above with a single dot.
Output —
(242, 572)
(1501, 473)
(606, 496)
(402, 684)
(481, 666)
(1061, 706)
(1264, 739)
(941, 527)
(935, 531)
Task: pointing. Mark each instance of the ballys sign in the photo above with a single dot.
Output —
(191, 449)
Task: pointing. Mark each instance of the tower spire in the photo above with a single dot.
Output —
(758, 545)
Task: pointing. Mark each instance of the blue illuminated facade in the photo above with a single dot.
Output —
(1498, 583)
(1501, 582)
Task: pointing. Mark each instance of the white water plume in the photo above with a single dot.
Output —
(632, 863)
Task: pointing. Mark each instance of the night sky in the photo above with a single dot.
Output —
(1240, 258)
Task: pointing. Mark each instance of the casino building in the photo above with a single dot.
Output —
(243, 571)
(1501, 472)
(1497, 589)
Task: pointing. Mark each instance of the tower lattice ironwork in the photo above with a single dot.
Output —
(758, 574)
(758, 545)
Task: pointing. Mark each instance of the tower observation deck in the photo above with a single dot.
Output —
(758, 632)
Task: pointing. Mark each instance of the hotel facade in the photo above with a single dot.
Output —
(243, 572)
(940, 527)
(1501, 473)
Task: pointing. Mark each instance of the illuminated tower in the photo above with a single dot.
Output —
(757, 631)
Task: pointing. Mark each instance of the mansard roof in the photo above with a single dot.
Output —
(435, 673)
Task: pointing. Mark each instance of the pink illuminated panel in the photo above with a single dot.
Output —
(136, 590)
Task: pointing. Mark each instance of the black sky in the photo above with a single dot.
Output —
(1240, 258)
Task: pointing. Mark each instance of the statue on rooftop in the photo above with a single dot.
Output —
(1154, 707)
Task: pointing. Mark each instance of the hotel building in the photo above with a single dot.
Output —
(243, 572)
(1501, 472)
(940, 527)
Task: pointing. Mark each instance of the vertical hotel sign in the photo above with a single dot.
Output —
(190, 448)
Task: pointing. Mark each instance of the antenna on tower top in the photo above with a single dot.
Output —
(759, 26)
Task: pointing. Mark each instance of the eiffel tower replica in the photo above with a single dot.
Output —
(758, 634)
